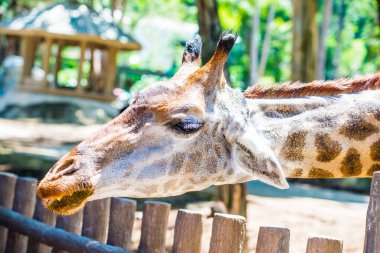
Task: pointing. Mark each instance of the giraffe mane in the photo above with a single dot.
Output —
(315, 88)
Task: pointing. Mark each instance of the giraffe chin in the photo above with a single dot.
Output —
(70, 203)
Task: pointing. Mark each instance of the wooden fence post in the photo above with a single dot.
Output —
(121, 222)
(96, 219)
(154, 226)
(188, 232)
(372, 228)
(273, 240)
(72, 224)
(7, 191)
(24, 203)
(228, 233)
(42, 214)
(58, 238)
(324, 244)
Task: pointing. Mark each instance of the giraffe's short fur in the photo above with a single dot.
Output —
(351, 164)
(374, 167)
(375, 151)
(358, 129)
(327, 148)
(319, 173)
(193, 131)
(293, 146)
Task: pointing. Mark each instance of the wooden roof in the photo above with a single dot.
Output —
(71, 22)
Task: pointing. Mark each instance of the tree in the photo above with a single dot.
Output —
(304, 51)
(338, 49)
(266, 42)
(254, 45)
(327, 11)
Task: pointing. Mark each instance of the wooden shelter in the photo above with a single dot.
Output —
(52, 28)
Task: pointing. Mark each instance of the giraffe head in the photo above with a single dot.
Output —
(179, 135)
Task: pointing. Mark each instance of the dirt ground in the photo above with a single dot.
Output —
(303, 216)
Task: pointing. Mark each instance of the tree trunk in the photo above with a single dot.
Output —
(233, 196)
(266, 42)
(327, 11)
(338, 48)
(254, 45)
(209, 27)
(304, 52)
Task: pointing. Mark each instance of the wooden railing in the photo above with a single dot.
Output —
(106, 226)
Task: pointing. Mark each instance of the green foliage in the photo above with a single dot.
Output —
(359, 47)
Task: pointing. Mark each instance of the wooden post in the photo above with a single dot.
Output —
(121, 222)
(96, 219)
(45, 59)
(51, 236)
(83, 47)
(58, 59)
(72, 224)
(111, 70)
(154, 226)
(273, 240)
(187, 232)
(228, 233)
(91, 76)
(42, 214)
(7, 189)
(24, 203)
(28, 53)
(372, 228)
(323, 245)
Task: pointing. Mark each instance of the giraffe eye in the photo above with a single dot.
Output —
(187, 126)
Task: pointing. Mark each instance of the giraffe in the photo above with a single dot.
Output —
(193, 130)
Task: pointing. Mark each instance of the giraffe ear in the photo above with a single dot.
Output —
(192, 52)
(253, 154)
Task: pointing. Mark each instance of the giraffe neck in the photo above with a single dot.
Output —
(322, 137)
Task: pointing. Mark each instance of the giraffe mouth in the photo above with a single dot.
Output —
(69, 203)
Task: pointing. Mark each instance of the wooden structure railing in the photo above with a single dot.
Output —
(106, 226)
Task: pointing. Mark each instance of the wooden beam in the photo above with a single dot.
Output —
(228, 233)
(372, 233)
(188, 232)
(46, 234)
(58, 62)
(83, 47)
(153, 227)
(23, 203)
(273, 240)
(317, 244)
(45, 58)
(111, 70)
(7, 187)
(28, 53)
(122, 218)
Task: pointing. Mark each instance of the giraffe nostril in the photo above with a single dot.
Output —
(65, 168)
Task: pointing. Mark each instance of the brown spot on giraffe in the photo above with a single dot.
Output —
(295, 173)
(351, 165)
(327, 149)
(293, 146)
(374, 167)
(319, 173)
(358, 129)
(375, 151)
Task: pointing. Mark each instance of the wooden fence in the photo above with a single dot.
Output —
(106, 226)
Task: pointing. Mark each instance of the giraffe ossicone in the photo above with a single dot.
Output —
(193, 131)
